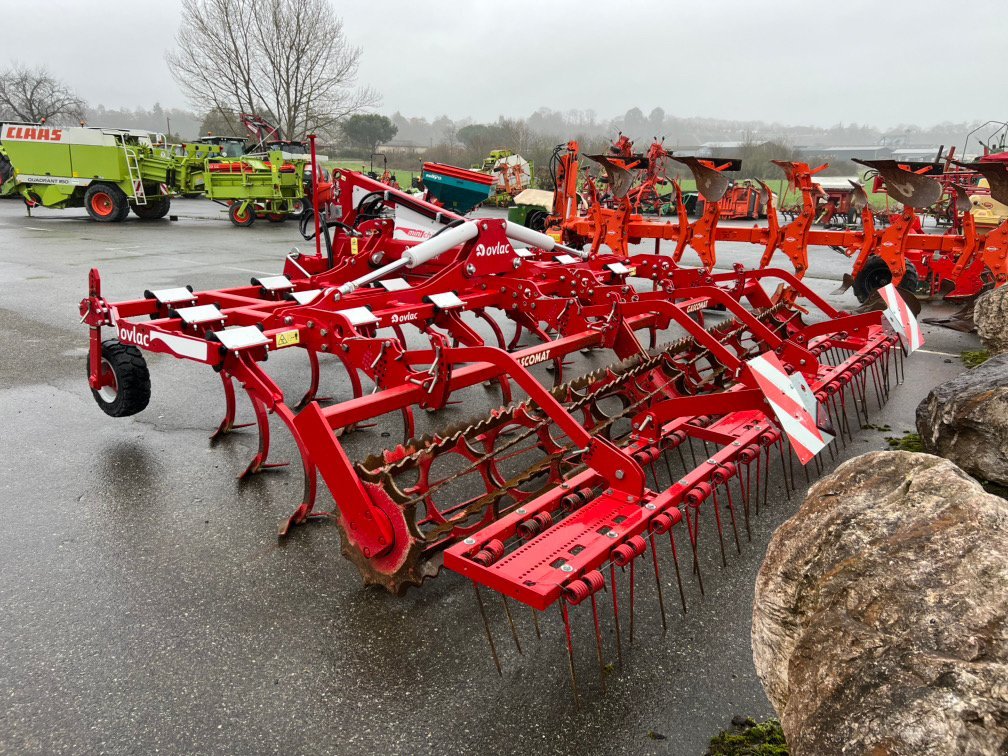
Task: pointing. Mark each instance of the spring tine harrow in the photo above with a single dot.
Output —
(548, 496)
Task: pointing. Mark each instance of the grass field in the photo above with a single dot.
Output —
(405, 178)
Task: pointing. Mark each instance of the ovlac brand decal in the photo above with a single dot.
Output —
(406, 317)
(32, 134)
(492, 250)
(181, 345)
(130, 334)
(534, 359)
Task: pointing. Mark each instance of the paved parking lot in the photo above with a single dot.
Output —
(145, 604)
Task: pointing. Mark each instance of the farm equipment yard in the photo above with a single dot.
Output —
(148, 605)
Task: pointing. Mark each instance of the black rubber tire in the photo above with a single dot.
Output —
(106, 203)
(876, 274)
(133, 389)
(6, 169)
(154, 209)
(247, 220)
(536, 220)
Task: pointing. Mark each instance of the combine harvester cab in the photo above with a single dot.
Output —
(547, 498)
(106, 171)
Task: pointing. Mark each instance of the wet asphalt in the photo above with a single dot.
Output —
(146, 605)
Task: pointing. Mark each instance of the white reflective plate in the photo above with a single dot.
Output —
(394, 284)
(446, 300)
(358, 315)
(241, 337)
(304, 297)
(200, 314)
(171, 296)
(273, 283)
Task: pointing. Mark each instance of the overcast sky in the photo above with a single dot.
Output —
(792, 61)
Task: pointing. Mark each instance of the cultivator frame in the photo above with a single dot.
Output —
(771, 376)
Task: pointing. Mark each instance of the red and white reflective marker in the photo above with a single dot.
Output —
(901, 319)
(793, 403)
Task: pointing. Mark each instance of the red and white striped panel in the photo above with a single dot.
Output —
(898, 313)
(793, 404)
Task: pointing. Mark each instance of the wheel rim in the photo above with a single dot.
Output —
(879, 279)
(102, 204)
(241, 216)
(110, 388)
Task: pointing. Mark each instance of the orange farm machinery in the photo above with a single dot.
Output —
(576, 481)
(893, 249)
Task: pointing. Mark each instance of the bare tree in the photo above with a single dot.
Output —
(33, 94)
(283, 59)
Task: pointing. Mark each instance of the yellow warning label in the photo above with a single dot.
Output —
(353, 245)
(288, 338)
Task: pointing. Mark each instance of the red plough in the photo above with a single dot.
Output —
(571, 477)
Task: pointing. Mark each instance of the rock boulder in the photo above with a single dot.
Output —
(966, 420)
(879, 624)
(990, 312)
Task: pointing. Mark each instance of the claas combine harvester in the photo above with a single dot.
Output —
(557, 494)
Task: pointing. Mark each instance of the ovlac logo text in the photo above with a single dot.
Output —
(406, 317)
(129, 334)
(482, 250)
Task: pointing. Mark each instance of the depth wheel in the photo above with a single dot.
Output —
(127, 386)
(876, 274)
(241, 217)
(106, 203)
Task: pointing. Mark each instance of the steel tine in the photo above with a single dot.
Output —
(717, 519)
(514, 630)
(535, 622)
(731, 511)
(746, 490)
(834, 413)
(766, 474)
(692, 541)
(598, 641)
(486, 627)
(615, 610)
(678, 576)
(657, 577)
(790, 459)
(570, 650)
(692, 451)
(668, 467)
(654, 474)
(633, 586)
(682, 459)
(780, 448)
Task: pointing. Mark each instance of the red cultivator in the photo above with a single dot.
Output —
(571, 477)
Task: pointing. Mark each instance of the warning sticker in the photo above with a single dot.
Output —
(288, 338)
